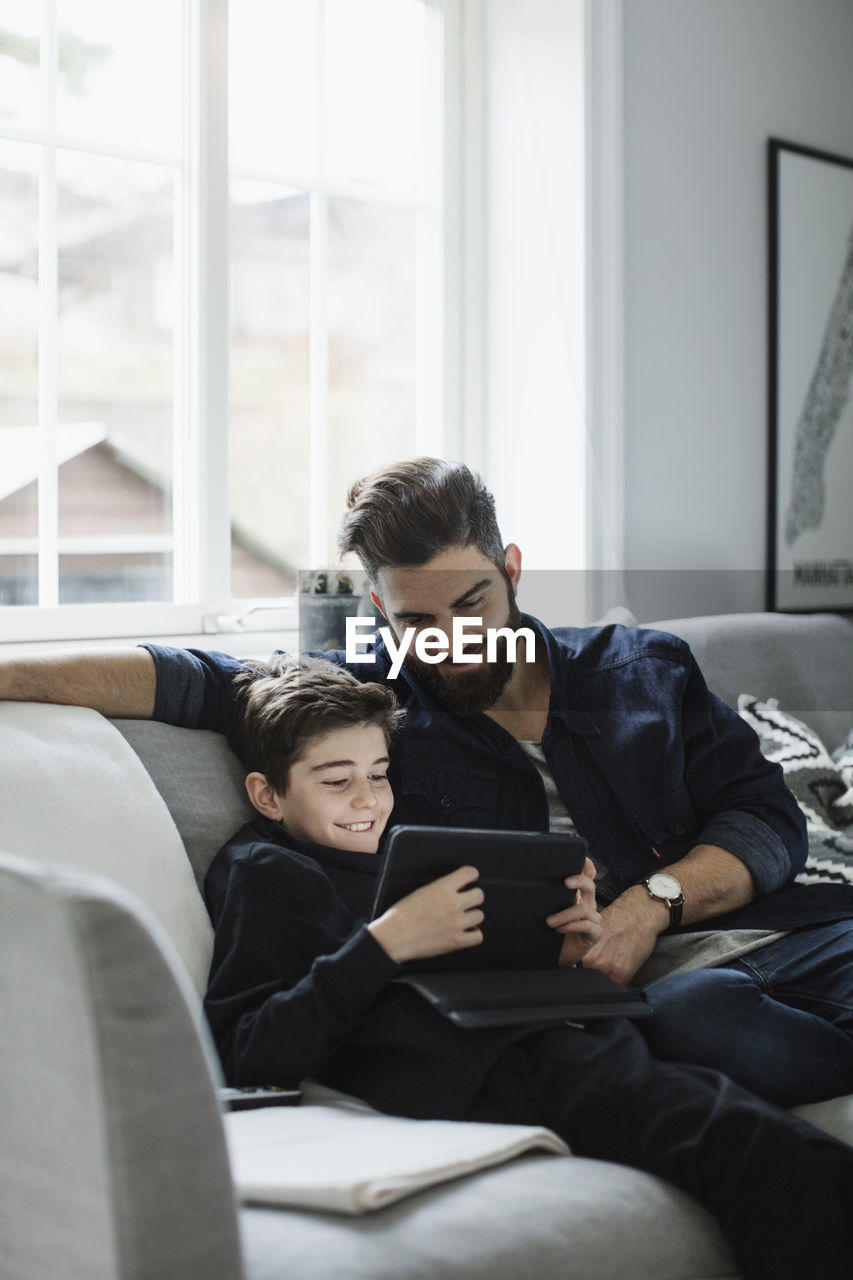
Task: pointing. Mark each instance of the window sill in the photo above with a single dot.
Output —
(242, 644)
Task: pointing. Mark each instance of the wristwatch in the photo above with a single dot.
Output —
(665, 888)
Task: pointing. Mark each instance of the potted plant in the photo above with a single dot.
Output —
(327, 597)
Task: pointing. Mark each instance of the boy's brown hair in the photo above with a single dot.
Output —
(406, 513)
(283, 705)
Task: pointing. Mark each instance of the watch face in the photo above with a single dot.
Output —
(664, 886)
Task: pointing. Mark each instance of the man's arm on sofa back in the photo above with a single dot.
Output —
(116, 682)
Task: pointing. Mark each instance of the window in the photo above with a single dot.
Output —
(222, 285)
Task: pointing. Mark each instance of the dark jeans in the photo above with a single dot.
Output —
(779, 1021)
(780, 1189)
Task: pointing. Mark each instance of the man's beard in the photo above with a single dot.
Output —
(466, 693)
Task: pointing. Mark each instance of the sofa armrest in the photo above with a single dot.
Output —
(113, 1164)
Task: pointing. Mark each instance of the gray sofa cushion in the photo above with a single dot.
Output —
(112, 1161)
(201, 781)
(536, 1217)
(806, 662)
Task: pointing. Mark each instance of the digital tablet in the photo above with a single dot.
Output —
(522, 876)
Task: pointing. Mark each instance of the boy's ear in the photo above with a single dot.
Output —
(263, 796)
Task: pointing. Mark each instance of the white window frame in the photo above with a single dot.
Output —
(201, 534)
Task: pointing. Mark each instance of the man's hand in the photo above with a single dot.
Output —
(580, 923)
(630, 928)
(714, 881)
(439, 917)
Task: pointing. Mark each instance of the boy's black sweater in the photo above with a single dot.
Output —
(299, 987)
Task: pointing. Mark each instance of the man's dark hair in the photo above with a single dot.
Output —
(406, 513)
(281, 706)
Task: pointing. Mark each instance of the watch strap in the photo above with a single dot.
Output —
(676, 907)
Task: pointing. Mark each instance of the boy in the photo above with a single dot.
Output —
(300, 985)
(291, 886)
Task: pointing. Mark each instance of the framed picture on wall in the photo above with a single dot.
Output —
(810, 508)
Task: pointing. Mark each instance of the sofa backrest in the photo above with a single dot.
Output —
(73, 791)
(201, 781)
(803, 660)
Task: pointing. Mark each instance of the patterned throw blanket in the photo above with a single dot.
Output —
(821, 781)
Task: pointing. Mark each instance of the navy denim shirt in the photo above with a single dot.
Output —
(648, 762)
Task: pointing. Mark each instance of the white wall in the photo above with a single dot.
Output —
(706, 83)
(533, 263)
(525, 97)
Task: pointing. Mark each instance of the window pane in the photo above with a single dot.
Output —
(115, 344)
(371, 319)
(272, 86)
(19, 439)
(268, 441)
(20, 31)
(18, 579)
(321, 92)
(19, 218)
(114, 579)
(120, 71)
(375, 59)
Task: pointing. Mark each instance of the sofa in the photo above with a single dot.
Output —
(117, 1161)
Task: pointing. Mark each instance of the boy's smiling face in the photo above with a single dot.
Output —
(338, 793)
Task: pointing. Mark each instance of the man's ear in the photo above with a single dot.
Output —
(512, 564)
(263, 796)
(379, 605)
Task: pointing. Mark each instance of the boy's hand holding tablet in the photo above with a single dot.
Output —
(438, 918)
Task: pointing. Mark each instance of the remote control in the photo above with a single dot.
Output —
(269, 1096)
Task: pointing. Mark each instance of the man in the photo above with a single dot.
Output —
(610, 730)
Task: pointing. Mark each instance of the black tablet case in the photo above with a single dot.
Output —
(501, 997)
(512, 976)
